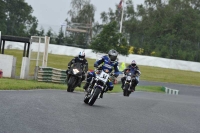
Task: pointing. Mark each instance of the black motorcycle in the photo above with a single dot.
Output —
(130, 79)
(97, 86)
(75, 76)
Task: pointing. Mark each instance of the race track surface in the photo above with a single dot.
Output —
(58, 111)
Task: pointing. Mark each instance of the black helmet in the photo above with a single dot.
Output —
(113, 54)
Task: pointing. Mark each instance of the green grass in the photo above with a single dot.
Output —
(61, 61)
(170, 75)
(16, 84)
(158, 89)
(55, 61)
(148, 73)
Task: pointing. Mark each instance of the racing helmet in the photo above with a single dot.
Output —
(81, 55)
(133, 63)
(112, 54)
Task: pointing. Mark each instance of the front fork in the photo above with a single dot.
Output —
(91, 90)
(127, 82)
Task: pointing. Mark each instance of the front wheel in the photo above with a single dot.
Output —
(86, 99)
(94, 96)
(71, 84)
(126, 92)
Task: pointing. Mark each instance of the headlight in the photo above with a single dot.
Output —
(75, 71)
(128, 78)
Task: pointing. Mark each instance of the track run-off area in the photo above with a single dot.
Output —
(58, 111)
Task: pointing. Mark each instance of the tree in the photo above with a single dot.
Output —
(96, 29)
(41, 32)
(2, 17)
(51, 35)
(32, 30)
(60, 38)
(104, 17)
(110, 38)
(18, 18)
(158, 28)
(82, 13)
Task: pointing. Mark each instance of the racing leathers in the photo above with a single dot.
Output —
(106, 64)
(134, 70)
(84, 67)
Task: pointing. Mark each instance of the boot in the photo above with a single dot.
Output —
(122, 86)
(79, 84)
(101, 95)
(67, 80)
(86, 86)
(123, 81)
(133, 88)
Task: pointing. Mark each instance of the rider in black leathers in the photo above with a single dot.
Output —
(80, 58)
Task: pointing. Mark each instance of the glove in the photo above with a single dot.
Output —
(116, 75)
(95, 65)
(138, 71)
(67, 71)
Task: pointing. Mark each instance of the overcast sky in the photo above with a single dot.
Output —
(52, 13)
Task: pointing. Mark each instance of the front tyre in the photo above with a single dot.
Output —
(126, 92)
(71, 84)
(94, 96)
(86, 99)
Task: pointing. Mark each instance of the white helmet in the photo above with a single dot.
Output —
(133, 63)
(81, 55)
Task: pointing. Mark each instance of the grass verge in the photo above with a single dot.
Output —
(148, 73)
(16, 84)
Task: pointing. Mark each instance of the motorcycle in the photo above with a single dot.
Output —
(75, 74)
(97, 86)
(130, 78)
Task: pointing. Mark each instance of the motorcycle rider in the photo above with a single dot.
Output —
(133, 68)
(78, 59)
(108, 62)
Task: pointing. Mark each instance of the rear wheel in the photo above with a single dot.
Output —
(71, 84)
(94, 96)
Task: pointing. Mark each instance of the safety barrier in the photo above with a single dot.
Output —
(171, 91)
(49, 74)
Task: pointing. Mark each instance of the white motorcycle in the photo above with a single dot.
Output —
(97, 86)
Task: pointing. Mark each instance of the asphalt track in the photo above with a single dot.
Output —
(57, 111)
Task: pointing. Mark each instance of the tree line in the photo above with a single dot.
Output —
(161, 28)
(16, 19)
(169, 29)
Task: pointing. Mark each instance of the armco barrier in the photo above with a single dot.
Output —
(171, 91)
(53, 75)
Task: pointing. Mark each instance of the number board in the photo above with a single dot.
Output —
(103, 76)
